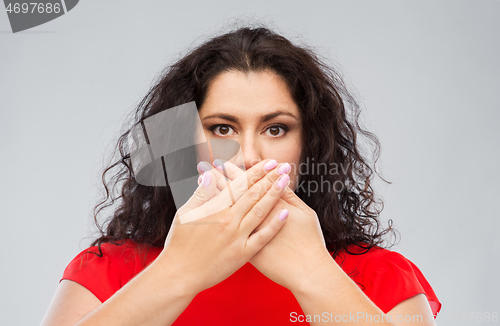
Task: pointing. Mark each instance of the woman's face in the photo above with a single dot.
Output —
(258, 112)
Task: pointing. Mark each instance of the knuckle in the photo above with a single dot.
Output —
(287, 195)
(252, 178)
(274, 193)
(240, 186)
(270, 176)
(254, 193)
(270, 179)
(262, 239)
(274, 228)
(257, 171)
(258, 212)
(199, 195)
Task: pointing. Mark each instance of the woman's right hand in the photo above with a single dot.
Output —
(210, 237)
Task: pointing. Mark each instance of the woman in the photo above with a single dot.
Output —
(289, 246)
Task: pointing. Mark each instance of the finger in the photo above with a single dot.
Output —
(262, 237)
(257, 192)
(228, 172)
(291, 197)
(240, 185)
(204, 166)
(217, 191)
(228, 169)
(225, 198)
(263, 207)
(280, 204)
(205, 191)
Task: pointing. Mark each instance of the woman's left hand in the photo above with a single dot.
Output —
(298, 250)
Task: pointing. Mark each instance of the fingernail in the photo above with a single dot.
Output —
(206, 179)
(270, 165)
(199, 179)
(283, 214)
(219, 164)
(285, 168)
(283, 180)
(203, 166)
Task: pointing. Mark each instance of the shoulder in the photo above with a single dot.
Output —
(361, 262)
(106, 252)
(106, 270)
(385, 276)
(125, 251)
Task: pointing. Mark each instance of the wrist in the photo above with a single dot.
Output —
(183, 285)
(315, 275)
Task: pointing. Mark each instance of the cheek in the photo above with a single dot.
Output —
(283, 152)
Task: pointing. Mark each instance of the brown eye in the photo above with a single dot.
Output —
(274, 131)
(222, 130)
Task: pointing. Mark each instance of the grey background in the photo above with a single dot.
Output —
(426, 74)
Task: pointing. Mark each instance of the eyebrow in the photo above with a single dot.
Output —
(264, 118)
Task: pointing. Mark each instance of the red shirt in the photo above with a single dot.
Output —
(248, 297)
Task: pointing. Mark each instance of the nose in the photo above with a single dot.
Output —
(251, 151)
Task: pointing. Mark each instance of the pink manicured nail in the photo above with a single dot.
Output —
(285, 168)
(199, 179)
(203, 166)
(270, 165)
(206, 179)
(219, 164)
(283, 180)
(283, 214)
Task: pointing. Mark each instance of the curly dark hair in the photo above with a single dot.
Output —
(330, 126)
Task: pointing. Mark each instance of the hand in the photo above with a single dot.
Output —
(209, 249)
(298, 249)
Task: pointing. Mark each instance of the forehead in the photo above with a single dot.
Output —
(248, 95)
